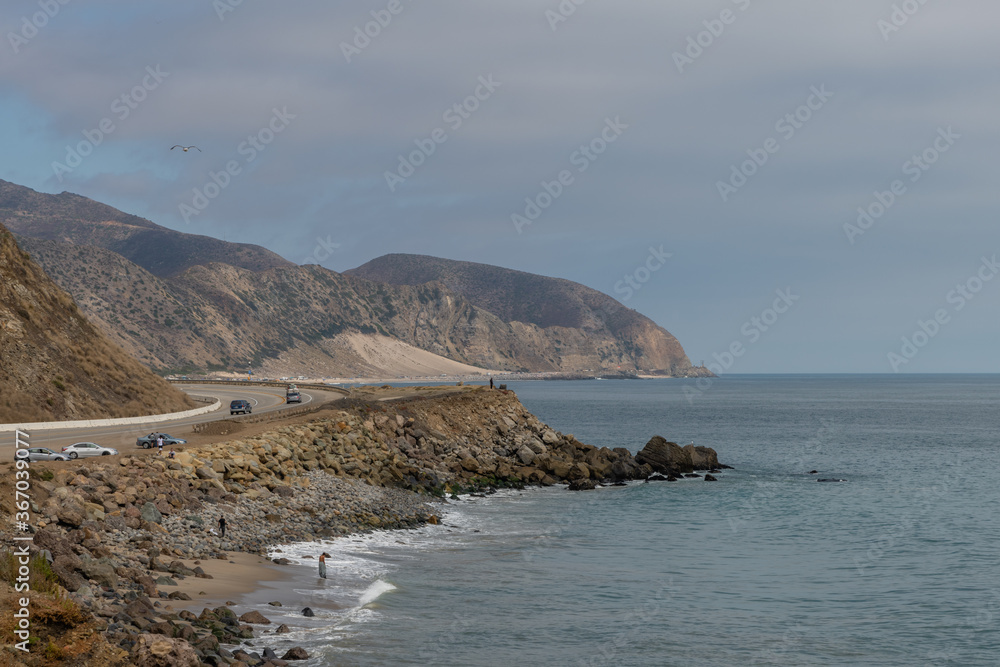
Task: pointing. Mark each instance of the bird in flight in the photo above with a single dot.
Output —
(185, 148)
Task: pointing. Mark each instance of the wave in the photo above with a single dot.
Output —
(374, 592)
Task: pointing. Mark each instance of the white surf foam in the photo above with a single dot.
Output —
(375, 591)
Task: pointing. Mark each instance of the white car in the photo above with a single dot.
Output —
(87, 449)
(41, 454)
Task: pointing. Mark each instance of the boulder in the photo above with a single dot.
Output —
(297, 653)
(526, 455)
(255, 617)
(150, 513)
(664, 457)
(65, 567)
(101, 571)
(702, 458)
(159, 651)
(582, 485)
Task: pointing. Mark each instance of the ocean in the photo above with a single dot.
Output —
(895, 565)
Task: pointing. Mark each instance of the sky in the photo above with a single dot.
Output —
(786, 186)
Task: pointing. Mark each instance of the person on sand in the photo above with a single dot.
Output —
(222, 526)
(322, 564)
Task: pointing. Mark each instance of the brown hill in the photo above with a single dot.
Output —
(584, 328)
(55, 364)
(74, 219)
(301, 319)
(180, 302)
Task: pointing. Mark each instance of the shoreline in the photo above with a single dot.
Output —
(118, 529)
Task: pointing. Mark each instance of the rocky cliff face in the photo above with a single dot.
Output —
(55, 364)
(571, 327)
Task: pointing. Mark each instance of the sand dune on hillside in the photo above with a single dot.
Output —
(350, 355)
(394, 357)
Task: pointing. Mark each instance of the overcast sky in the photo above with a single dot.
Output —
(739, 137)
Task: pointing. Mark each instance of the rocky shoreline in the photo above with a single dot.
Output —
(110, 536)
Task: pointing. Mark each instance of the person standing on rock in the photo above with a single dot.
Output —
(322, 564)
(491, 383)
(222, 526)
(159, 445)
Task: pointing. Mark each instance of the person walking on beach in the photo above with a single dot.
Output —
(322, 565)
(222, 526)
(159, 444)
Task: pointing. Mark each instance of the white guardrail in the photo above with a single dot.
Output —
(123, 421)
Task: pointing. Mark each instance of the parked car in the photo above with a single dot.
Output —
(293, 396)
(87, 449)
(241, 406)
(150, 440)
(41, 454)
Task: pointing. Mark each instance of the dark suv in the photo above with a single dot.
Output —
(240, 406)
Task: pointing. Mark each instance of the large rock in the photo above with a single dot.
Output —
(255, 617)
(150, 513)
(665, 457)
(526, 455)
(702, 458)
(297, 653)
(101, 571)
(159, 651)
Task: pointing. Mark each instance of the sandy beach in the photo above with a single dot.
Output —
(232, 579)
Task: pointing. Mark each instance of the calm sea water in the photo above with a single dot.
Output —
(897, 565)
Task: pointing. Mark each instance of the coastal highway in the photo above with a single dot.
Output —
(262, 398)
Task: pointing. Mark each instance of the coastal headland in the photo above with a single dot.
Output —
(125, 546)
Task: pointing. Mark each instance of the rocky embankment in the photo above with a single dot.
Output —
(115, 531)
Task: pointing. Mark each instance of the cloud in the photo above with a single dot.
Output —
(325, 175)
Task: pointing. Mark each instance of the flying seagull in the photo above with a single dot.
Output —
(185, 148)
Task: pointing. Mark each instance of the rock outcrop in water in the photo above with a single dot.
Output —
(117, 530)
(672, 459)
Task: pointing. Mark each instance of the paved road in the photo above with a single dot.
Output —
(122, 438)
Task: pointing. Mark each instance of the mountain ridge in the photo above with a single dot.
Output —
(206, 314)
(76, 219)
